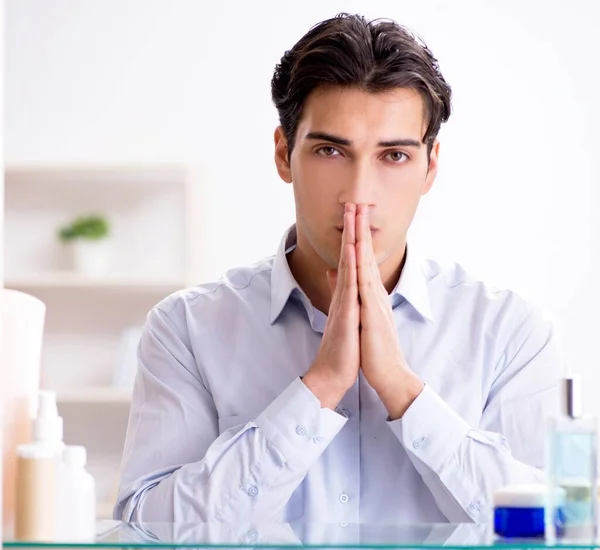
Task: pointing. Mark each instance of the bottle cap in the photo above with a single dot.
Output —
(533, 495)
(47, 425)
(572, 396)
(74, 455)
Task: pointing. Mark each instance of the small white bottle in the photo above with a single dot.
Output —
(76, 498)
(47, 425)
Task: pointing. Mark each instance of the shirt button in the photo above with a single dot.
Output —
(300, 430)
(317, 439)
(474, 507)
(418, 443)
(252, 535)
(252, 491)
(344, 498)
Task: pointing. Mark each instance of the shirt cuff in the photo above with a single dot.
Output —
(295, 420)
(430, 429)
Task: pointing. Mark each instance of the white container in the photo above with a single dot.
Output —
(91, 257)
(76, 498)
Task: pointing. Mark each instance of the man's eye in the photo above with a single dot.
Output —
(397, 157)
(327, 151)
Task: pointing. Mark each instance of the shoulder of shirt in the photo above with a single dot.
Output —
(455, 281)
(452, 278)
(252, 277)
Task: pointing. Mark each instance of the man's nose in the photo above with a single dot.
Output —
(359, 187)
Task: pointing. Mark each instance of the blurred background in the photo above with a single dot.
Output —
(139, 146)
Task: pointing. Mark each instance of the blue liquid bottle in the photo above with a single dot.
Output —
(571, 465)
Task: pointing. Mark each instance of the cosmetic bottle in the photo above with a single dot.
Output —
(36, 474)
(571, 465)
(76, 503)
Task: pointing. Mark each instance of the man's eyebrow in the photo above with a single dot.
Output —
(329, 137)
(400, 143)
(347, 143)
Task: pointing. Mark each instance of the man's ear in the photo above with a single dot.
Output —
(432, 168)
(282, 156)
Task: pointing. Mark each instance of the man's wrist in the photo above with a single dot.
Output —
(325, 386)
(400, 391)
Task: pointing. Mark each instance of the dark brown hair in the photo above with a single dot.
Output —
(350, 51)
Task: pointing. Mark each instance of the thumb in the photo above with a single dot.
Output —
(331, 279)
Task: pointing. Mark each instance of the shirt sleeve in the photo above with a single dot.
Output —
(463, 465)
(177, 467)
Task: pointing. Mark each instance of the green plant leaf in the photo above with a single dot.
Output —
(92, 227)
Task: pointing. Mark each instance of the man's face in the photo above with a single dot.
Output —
(360, 147)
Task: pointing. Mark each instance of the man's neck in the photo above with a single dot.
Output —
(309, 270)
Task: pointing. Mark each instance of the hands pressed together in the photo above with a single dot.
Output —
(360, 332)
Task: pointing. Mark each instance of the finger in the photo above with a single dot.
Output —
(348, 238)
(344, 290)
(350, 276)
(364, 273)
(370, 285)
(363, 228)
(350, 286)
(345, 230)
(363, 241)
(349, 231)
(350, 222)
(364, 224)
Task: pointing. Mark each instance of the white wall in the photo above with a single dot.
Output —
(1, 268)
(125, 80)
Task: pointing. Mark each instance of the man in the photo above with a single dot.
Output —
(342, 380)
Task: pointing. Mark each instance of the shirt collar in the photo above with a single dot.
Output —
(282, 280)
(412, 285)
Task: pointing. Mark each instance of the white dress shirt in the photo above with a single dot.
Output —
(222, 427)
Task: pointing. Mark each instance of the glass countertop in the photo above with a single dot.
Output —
(252, 535)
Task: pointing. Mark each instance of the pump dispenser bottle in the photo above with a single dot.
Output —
(571, 463)
(37, 468)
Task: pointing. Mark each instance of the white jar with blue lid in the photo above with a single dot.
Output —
(519, 510)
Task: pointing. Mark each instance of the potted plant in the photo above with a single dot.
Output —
(87, 237)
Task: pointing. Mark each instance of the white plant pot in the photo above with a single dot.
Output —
(91, 257)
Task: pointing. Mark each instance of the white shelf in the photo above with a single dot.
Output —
(146, 207)
(156, 217)
(145, 177)
(106, 395)
(73, 281)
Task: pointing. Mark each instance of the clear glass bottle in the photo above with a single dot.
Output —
(571, 465)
